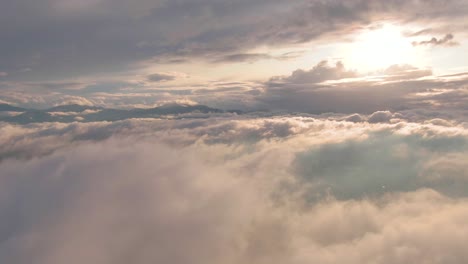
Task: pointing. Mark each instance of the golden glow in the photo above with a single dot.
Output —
(378, 48)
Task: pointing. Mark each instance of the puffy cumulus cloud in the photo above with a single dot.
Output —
(448, 167)
(63, 212)
(321, 72)
(72, 100)
(402, 88)
(16, 140)
(440, 122)
(44, 100)
(139, 91)
(380, 117)
(397, 232)
(355, 118)
(298, 133)
(385, 162)
(234, 191)
(45, 94)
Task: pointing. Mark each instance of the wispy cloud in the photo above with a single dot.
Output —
(445, 41)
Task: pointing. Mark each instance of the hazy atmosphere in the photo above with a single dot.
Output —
(233, 131)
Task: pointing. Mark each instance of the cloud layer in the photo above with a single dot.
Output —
(398, 88)
(218, 190)
(219, 131)
(67, 38)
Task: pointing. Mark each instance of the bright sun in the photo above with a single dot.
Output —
(375, 49)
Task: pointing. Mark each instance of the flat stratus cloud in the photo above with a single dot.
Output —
(243, 57)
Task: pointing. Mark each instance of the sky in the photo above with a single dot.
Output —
(233, 131)
(121, 53)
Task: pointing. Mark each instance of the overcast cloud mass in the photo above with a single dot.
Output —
(233, 131)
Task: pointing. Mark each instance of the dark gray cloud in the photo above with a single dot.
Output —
(63, 39)
(252, 57)
(160, 77)
(418, 33)
(445, 41)
(243, 57)
(380, 117)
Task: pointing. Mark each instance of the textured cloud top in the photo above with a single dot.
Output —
(233, 131)
(255, 189)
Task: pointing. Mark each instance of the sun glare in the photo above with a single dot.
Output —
(378, 48)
